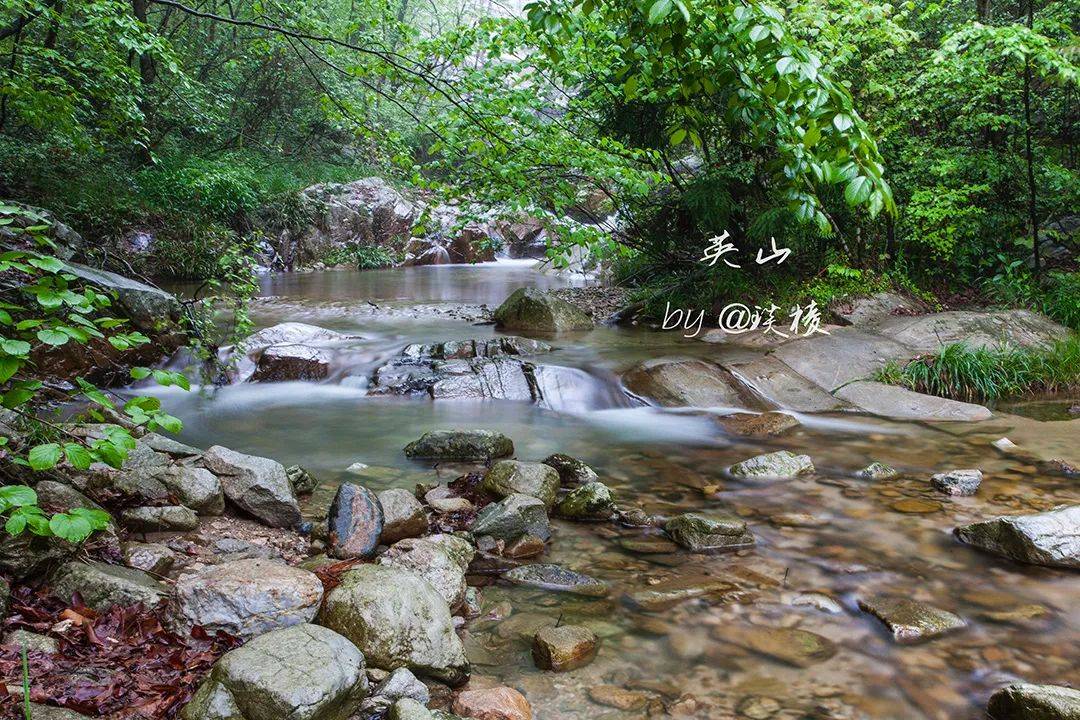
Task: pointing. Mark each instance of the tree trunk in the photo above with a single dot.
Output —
(1029, 156)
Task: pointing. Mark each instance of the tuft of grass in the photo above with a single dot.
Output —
(989, 374)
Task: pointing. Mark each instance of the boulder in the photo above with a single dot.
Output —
(397, 619)
(757, 425)
(149, 308)
(304, 672)
(158, 519)
(245, 598)
(259, 486)
(62, 498)
(705, 534)
(512, 517)
(977, 329)
(288, 351)
(1027, 701)
(495, 703)
(902, 404)
(509, 477)
(558, 579)
(911, 621)
(440, 559)
(685, 382)
(572, 472)
(402, 684)
(153, 558)
(844, 355)
(33, 642)
(26, 555)
(103, 586)
(874, 308)
(195, 487)
(356, 522)
(409, 709)
(778, 385)
(564, 647)
(280, 363)
(773, 466)
(958, 482)
(1049, 538)
(536, 311)
(460, 445)
(403, 516)
(303, 482)
(591, 501)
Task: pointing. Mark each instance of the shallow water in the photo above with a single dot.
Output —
(673, 461)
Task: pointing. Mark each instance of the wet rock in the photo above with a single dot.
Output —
(911, 621)
(62, 498)
(563, 648)
(443, 503)
(245, 598)
(751, 425)
(196, 488)
(1050, 538)
(900, 403)
(958, 482)
(403, 516)
(397, 619)
(408, 709)
(534, 310)
(167, 445)
(877, 471)
(916, 506)
(818, 601)
(526, 546)
(978, 329)
(26, 555)
(280, 363)
(779, 386)
(303, 482)
(757, 707)
(460, 445)
(677, 590)
(557, 578)
(875, 308)
(592, 501)
(508, 477)
(616, 697)
(257, 485)
(153, 558)
(704, 534)
(682, 382)
(1027, 701)
(572, 472)
(356, 522)
(305, 672)
(152, 519)
(402, 684)
(844, 355)
(648, 545)
(512, 517)
(777, 465)
(103, 586)
(148, 307)
(440, 559)
(496, 703)
(798, 520)
(500, 378)
(509, 345)
(48, 712)
(33, 642)
(799, 648)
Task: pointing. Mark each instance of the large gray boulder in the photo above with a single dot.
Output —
(397, 619)
(928, 333)
(534, 310)
(195, 487)
(245, 598)
(683, 382)
(460, 445)
(502, 346)
(305, 672)
(103, 586)
(403, 516)
(508, 477)
(591, 501)
(1049, 538)
(512, 517)
(775, 383)
(440, 559)
(902, 404)
(259, 486)
(149, 308)
(844, 355)
(874, 308)
(1027, 701)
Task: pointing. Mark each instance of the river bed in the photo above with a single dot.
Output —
(822, 541)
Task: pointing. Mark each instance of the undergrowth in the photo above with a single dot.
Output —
(989, 374)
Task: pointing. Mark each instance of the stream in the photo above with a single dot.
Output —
(822, 541)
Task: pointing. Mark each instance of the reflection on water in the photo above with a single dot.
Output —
(830, 535)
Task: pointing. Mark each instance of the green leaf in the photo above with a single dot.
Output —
(678, 136)
(843, 122)
(140, 373)
(79, 457)
(44, 457)
(72, 528)
(52, 337)
(48, 264)
(787, 65)
(659, 10)
(8, 367)
(98, 519)
(17, 496)
(858, 190)
(759, 33)
(15, 347)
(15, 524)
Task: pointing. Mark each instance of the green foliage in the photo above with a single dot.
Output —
(219, 189)
(362, 257)
(1014, 286)
(19, 504)
(960, 372)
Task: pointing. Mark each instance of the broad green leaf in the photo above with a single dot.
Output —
(15, 347)
(79, 457)
(843, 122)
(72, 528)
(858, 190)
(660, 9)
(44, 457)
(52, 337)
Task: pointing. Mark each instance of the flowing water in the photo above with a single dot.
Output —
(827, 536)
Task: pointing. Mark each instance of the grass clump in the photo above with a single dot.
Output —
(989, 374)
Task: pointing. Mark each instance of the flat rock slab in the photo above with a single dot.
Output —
(780, 386)
(558, 579)
(245, 598)
(902, 404)
(103, 586)
(875, 308)
(844, 355)
(928, 333)
(911, 621)
(670, 593)
(1050, 538)
(1027, 701)
(305, 672)
(460, 445)
(686, 382)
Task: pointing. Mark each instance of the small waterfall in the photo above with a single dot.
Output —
(573, 390)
